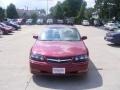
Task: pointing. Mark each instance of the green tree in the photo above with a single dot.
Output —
(81, 13)
(57, 11)
(69, 8)
(108, 9)
(88, 13)
(34, 16)
(12, 12)
(42, 12)
(2, 14)
(72, 7)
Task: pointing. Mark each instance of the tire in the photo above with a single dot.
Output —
(116, 43)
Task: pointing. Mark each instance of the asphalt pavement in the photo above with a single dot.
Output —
(104, 68)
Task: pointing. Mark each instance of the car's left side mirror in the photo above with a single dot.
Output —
(84, 37)
(35, 36)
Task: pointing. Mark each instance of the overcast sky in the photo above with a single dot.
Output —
(36, 4)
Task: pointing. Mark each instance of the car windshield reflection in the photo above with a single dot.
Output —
(60, 34)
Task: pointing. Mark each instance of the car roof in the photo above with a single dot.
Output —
(61, 26)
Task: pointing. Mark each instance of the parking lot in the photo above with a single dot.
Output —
(104, 69)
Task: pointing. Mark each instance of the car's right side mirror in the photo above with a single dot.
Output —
(84, 37)
(35, 36)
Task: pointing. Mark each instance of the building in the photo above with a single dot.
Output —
(27, 13)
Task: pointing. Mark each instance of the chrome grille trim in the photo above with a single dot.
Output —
(59, 60)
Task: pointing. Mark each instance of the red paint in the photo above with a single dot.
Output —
(59, 48)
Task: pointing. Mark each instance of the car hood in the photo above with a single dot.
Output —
(59, 48)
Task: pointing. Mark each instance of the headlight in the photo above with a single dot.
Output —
(81, 58)
(37, 57)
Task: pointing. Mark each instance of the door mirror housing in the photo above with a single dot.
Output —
(35, 36)
(84, 37)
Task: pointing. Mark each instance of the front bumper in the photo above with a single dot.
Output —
(45, 68)
(110, 39)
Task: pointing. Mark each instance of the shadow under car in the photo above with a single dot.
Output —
(92, 80)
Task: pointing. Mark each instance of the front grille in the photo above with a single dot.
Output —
(59, 59)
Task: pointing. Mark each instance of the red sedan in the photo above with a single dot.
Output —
(5, 29)
(59, 50)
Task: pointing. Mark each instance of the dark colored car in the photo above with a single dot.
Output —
(98, 23)
(13, 24)
(113, 36)
(59, 50)
(5, 30)
(9, 27)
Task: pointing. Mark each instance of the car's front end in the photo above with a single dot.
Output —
(8, 29)
(46, 65)
(59, 51)
(40, 21)
(111, 28)
(59, 58)
(5, 30)
(49, 21)
(85, 23)
(112, 37)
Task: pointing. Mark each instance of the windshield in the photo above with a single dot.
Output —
(60, 34)
(85, 20)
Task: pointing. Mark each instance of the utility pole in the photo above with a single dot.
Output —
(47, 7)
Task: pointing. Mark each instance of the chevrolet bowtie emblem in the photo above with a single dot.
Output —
(58, 60)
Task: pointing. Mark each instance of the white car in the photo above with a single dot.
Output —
(29, 21)
(40, 21)
(49, 21)
(60, 21)
(111, 26)
(85, 23)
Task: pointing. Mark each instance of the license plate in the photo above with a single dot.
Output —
(58, 70)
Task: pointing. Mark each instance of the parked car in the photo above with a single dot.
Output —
(69, 21)
(98, 23)
(111, 26)
(85, 23)
(9, 27)
(5, 30)
(113, 37)
(49, 21)
(40, 21)
(29, 21)
(59, 50)
(60, 21)
(13, 24)
(118, 24)
(19, 21)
